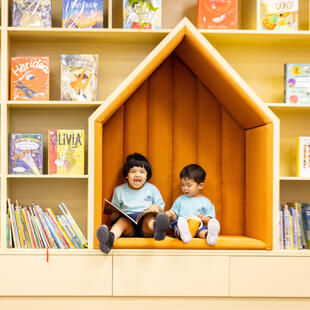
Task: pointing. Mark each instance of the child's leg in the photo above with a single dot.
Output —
(156, 226)
(122, 227)
(211, 234)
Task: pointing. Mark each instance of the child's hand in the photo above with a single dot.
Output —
(171, 214)
(153, 208)
(204, 219)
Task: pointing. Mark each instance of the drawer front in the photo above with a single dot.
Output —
(270, 276)
(62, 275)
(170, 276)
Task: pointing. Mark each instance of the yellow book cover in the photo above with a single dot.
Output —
(303, 156)
(66, 151)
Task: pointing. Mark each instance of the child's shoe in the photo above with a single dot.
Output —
(213, 231)
(106, 238)
(161, 225)
(183, 230)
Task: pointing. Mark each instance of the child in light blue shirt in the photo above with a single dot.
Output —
(193, 204)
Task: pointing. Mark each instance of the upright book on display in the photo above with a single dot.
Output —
(82, 14)
(25, 153)
(32, 13)
(79, 77)
(66, 151)
(303, 157)
(277, 15)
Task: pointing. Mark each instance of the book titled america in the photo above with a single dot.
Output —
(142, 14)
(79, 77)
(66, 151)
(29, 78)
(82, 14)
(32, 13)
(218, 14)
(25, 153)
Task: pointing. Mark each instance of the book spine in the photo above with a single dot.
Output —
(47, 233)
(17, 243)
(285, 83)
(19, 229)
(287, 229)
(52, 231)
(73, 236)
(36, 231)
(302, 229)
(43, 235)
(294, 225)
(27, 243)
(32, 243)
(299, 236)
(68, 231)
(281, 241)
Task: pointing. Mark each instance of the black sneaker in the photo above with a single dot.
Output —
(106, 238)
(161, 225)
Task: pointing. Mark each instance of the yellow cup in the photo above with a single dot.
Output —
(193, 225)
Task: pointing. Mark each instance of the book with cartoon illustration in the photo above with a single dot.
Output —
(66, 151)
(82, 14)
(32, 13)
(303, 156)
(29, 78)
(25, 153)
(79, 77)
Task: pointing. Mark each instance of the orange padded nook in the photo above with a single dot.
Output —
(185, 104)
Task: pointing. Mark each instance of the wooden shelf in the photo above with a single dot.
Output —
(52, 104)
(46, 176)
(294, 178)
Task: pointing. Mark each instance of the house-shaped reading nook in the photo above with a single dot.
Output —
(185, 104)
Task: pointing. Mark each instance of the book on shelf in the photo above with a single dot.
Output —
(303, 156)
(25, 153)
(305, 211)
(217, 14)
(277, 15)
(33, 228)
(79, 77)
(66, 151)
(32, 13)
(29, 78)
(142, 14)
(82, 14)
(297, 83)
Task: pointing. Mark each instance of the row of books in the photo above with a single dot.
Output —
(30, 78)
(295, 226)
(32, 228)
(65, 152)
(273, 15)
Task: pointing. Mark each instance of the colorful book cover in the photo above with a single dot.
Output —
(306, 221)
(29, 78)
(218, 14)
(303, 157)
(32, 13)
(277, 15)
(297, 83)
(142, 14)
(26, 153)
(79, 77)
(82, 14)
(66, 151)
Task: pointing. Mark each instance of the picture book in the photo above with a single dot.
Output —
(29, 78)
(217, 14)
(111, 206)
(296, 83)
(303, 157)
(79, 77)
(142, 14)
(66, 151)
(32, 13)
(25, 153)
(82, 14)
(277, 15)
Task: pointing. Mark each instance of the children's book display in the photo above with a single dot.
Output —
(32, 227)
(66, 151)
(297, 83)
(29, 78)
(82, 14)
(79, 77)
(25, 153)
(142, 14)
(32, 13)
(303, 157)
(218, 14)
(277, 15)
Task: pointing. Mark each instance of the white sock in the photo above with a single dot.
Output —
(213, 231)
(184, 232)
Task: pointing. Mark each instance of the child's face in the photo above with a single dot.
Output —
(136, 177)
(190, 188)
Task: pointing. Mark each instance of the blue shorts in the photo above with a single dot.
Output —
(173, 226)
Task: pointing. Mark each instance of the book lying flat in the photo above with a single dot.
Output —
(114, 208)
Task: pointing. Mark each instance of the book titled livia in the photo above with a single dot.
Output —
(136, 221)
(66, 151)
(82, 14)
(79, 77)
(26, 153)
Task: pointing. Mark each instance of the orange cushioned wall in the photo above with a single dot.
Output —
(174, 120)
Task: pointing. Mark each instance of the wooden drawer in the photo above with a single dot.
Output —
(170, 275)
(270, 276)
(62, 275)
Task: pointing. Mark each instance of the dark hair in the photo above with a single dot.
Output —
(137, 160)
(195, 172)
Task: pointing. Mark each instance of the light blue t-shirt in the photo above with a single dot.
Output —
(131, 201)
(190, 206)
